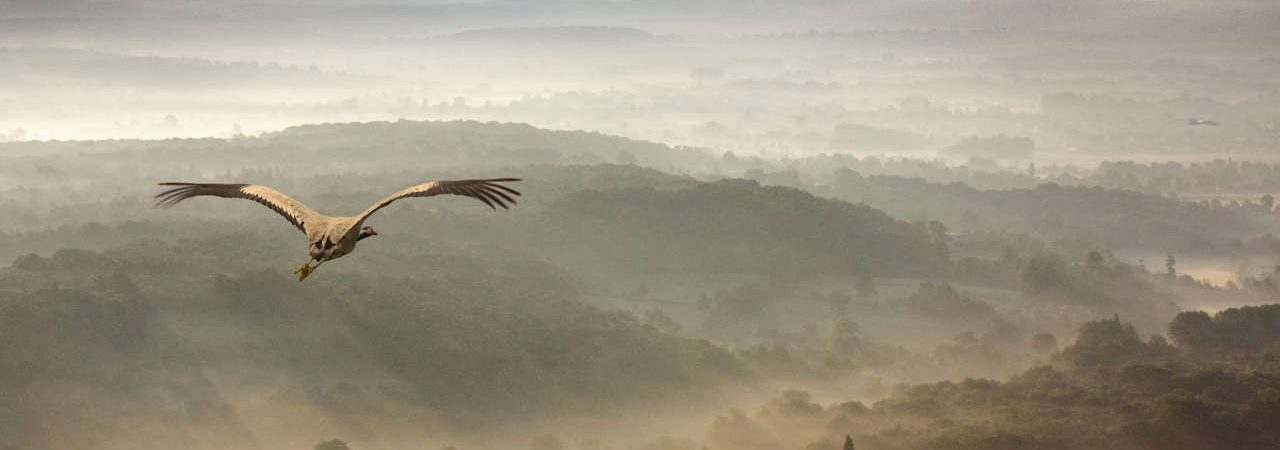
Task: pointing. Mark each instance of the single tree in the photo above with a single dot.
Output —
(848, 442)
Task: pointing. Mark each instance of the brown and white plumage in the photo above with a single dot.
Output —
(487, 191)
(331, 237)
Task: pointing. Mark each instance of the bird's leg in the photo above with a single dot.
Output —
(304, 270)
(307, 269)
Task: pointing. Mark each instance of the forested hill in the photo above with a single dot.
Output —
(182, 333)
(608, 217)
(368, 146)
(1107, 218)
(740, 226)
(1108, 389)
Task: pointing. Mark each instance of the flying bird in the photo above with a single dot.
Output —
(1198, 122)
(332, 237)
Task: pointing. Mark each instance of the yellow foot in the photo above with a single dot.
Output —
(305, 270)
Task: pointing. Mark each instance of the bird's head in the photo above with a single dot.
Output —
(366, 231)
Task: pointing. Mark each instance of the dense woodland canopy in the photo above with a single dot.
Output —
(1108, 389)
(484, 338)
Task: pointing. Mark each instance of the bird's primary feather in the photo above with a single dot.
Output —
(292, 210)
(488, 191)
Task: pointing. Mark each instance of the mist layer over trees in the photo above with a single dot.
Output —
(766, 226)
(616, 292)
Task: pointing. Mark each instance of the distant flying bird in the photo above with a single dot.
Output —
(332, 237)
(1198, 122)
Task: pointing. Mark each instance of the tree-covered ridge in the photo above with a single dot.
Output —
(474, 339)
(1217, 177)
(73, 67)
(474, 142)
(1246, 332)
(608, 217)
(1111, 218)
(96, 215)
(740, 226)
(381, 156)
(1109, 389)
(365, 145)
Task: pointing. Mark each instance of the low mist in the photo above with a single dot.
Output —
(754, 225)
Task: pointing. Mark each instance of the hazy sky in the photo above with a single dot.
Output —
(1119, 16)
(352, 60)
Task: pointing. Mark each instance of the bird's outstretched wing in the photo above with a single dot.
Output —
(294, 211)
(488, 191)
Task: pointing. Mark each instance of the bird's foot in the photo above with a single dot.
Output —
(304, 271)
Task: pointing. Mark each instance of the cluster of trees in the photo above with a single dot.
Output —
(137, 333)
(943, 302)
(1249, 332)
(1097, 285)
(1217, 177)
(738, 226)
(980, 173)
(811, 355)
(1109, 389)
(1108, 218)
(476, 144)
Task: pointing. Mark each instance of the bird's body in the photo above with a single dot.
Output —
(335, 238)
(332, 237)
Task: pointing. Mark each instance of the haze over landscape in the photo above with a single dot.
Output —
(745, 225)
